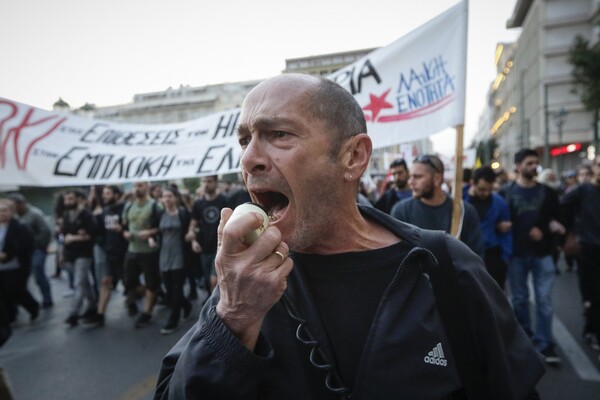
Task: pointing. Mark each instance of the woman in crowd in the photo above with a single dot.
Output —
(173, 256)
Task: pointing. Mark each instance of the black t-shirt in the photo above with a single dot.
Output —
(481, 205)
(525, 206)
(238, 197)
(74, 224)
(208, 214)
(347, 289)
(114, 242)
(415, 212)
(583, 201)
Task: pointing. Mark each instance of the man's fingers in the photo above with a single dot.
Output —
(231, 235)
(281, 273)
(225, 214)
(280, 254)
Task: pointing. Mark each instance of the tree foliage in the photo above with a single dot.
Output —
(485, 151)
(585, 60)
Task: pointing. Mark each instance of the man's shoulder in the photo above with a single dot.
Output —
(116, 208)
(403, 230)
(136, 204)
(35, 211)
(403, 208)
(221, 199)
(33, 215)
(197, 203)
(498, 198)
(499, 205)
(586, 189)
(469, 208)
(408, 203)
(84, 213)
(416, 205)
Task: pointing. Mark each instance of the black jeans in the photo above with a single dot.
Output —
(13, 286)
(495, 265)
(173, 281)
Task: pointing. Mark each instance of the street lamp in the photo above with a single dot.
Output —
(559, 119)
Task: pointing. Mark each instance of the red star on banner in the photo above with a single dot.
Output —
(378, 103)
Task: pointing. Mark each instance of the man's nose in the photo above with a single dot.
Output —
(254, 157)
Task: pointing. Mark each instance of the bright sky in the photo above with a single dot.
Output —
(104, 52)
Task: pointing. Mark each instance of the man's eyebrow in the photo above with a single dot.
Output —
(242, 129)
(261, 123)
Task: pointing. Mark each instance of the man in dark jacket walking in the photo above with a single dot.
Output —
(330, 301)
(33, 218)
(581, 204)
(494, 217)
(16, 246)
(400, 190)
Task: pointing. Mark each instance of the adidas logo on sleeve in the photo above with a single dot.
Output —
(436, 356)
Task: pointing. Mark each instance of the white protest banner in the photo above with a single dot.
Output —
(414, 87)
(42, 148)
(409, 90)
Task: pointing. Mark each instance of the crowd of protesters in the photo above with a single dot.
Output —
(528, 217)
(157, 240)
(160, 241)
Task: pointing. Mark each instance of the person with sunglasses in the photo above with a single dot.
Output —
(431, 208)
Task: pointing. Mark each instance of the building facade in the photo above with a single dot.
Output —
(531, 98)
(324, 64)
(178, 105)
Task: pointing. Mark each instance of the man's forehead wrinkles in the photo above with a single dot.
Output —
(263, 121)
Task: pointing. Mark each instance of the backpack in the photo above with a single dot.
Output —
(450, 303)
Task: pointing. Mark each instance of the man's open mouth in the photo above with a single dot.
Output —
(274, 203)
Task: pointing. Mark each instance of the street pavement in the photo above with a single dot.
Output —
(48, 360)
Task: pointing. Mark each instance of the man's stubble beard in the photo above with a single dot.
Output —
(402, 185)
(428, 192)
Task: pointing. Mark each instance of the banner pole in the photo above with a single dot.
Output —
(456, 224)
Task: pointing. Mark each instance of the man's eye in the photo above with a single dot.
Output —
(280, 134)
(244, 141)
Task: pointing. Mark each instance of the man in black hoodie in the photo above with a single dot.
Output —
(16, 246)
(331, 301)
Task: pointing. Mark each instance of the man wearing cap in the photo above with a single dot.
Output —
(33, 218)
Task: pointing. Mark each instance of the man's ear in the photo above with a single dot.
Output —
(356, 155)
(438, 179)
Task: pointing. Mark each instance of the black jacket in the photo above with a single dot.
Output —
(209, 362)
(18, 244)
